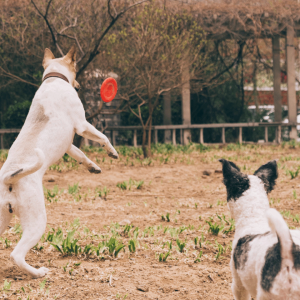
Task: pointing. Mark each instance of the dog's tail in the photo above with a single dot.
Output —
(13, 177)
(280, 228)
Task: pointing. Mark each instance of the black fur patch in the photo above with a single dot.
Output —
(240, 254)
(268, 173)
(272, 266)
(17, 172)
(9, 208)
(296, 256)
(10, 188)
(236, 182)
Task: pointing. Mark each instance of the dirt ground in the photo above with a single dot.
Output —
(181, 192)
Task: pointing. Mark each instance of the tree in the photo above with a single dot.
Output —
(28, 27)
(149, 55)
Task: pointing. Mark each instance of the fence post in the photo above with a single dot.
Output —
(2, 142)
(266, 134)
(223, 135)
(113, 138)
(174, 137)
(134, 138)
(278, 134)
(241, 135)
(155, 136)
(201, 136)
(181, 137)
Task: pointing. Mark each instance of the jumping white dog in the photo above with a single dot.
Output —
(55, 115)
(265, 259)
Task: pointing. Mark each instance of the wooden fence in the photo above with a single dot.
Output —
(173, 128)
(201, 128)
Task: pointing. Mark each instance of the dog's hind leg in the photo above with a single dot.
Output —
(82, 159)
(33, 220)
(5, 217)
(238, 290)
(90, 132)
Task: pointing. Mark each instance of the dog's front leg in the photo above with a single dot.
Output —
(82, 159)
(90, 132)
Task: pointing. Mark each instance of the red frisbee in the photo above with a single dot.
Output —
(108, 89)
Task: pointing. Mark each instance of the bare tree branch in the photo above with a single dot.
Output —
(17, 78)
(95, 51)
(48, 24)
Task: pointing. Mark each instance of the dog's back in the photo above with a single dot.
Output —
(49, 125)
(282, 261)
(268, 264)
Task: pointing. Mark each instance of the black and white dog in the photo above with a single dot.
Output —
(265, 259)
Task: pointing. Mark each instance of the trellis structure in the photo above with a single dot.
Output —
(243, 20)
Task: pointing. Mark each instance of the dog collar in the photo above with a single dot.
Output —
(58, 75)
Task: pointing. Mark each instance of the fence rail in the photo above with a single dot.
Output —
(173, 128)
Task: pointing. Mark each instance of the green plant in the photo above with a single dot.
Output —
(103, 193)
(221, 250)
(139, 184)
(73, 189)
(293, 174)
(7, 243)
(163, 256)
(166, 218)
(114, 246)
(198, 258)
(286, 214)
(294, 194)
(132, 245)
(126, 185)
(67, 246)
(196, 241)
(55, 167)
(180, 245)
(127, 229)
(122, 185)
(214, 228)
(6, 285)
(169, 245)
(51, 194)
(42, 284)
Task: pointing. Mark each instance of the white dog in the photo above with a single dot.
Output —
(55, 115)
(265, 260)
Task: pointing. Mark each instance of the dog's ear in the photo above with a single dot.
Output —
(76, 85)
(70, 58)
(236, 182)
(48, 55)
(268, 173)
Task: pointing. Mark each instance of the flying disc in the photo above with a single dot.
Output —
(108, 89)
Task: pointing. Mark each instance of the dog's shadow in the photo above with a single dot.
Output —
(13, 272)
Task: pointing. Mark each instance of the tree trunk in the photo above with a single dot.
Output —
(149, 138)
(144, 146)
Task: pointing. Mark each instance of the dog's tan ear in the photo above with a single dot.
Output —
(48, 55)
(76, 85)
(70, 58)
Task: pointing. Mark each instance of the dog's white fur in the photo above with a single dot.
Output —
(253, 215)
(55, 115)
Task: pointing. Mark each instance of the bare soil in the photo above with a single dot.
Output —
(174, 184)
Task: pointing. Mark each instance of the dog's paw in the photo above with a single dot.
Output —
(41, 272)
(95, 170)
(113, 155)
